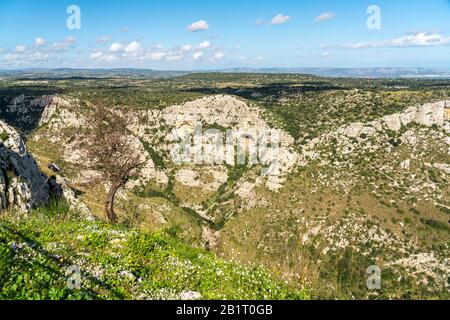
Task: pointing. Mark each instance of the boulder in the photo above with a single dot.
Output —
(406, 165)
(188, 178)
(392, 122)
(431, 114)
(190, 295)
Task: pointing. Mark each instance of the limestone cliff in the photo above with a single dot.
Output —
(22, 185)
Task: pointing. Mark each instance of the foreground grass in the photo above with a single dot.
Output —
(40, 253)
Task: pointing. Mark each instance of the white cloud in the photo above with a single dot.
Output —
(174, 57)
(40, 42)
(38, 56)
(158, 56)
(132, 47)
(20, 49)
(64, 45)
(9, 57)
(178, 53)
(125, 29)
(116, 47)
(186, 48)
(279, 19)
(104, 39)
(133, 52)
(257, 59)
(70, 40)
(200, 25)
(418, 39)
(96, 55)
(23, 58)
(125, 53)
(326, 54)
(204, 45)
(259, 22)
(325, 16)
(110, 58)
(242, 58)
(197, 55)
(218, 55)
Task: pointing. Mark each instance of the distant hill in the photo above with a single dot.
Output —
(354, 72)
(67, 73)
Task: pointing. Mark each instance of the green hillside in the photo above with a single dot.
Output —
(39, 253)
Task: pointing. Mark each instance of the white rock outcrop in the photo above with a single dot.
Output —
(247, 130)
(22, 185)
(74, 203)
(427, 115)
(188, 178)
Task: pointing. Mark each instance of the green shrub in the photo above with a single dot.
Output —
(4, 136)
(436, 224)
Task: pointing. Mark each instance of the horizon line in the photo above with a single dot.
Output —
(217, 69)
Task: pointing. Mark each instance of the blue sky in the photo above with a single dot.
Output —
(207, 34)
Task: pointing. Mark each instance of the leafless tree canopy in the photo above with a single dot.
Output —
(110, 151)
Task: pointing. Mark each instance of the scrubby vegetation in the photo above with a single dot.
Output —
(40, 252)
(372, 199)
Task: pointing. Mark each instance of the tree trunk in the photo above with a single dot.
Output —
(109, 205)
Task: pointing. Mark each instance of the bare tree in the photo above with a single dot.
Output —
(110, 151)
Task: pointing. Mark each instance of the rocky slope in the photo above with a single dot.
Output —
(22, 185)
(406, 138)
(159, 132)
(378, 188)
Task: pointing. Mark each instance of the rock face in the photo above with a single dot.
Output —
(59, 113)
(22, 185)
(62, 114)
(156, 133)
(187, 177)
(75, 204)
(247, 129)
(220, 112)
(406, 151)
(24, 112)
(427, 115)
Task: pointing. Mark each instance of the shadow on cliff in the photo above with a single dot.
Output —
(23, 120)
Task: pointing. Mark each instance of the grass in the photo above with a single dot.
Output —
(38, 254)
